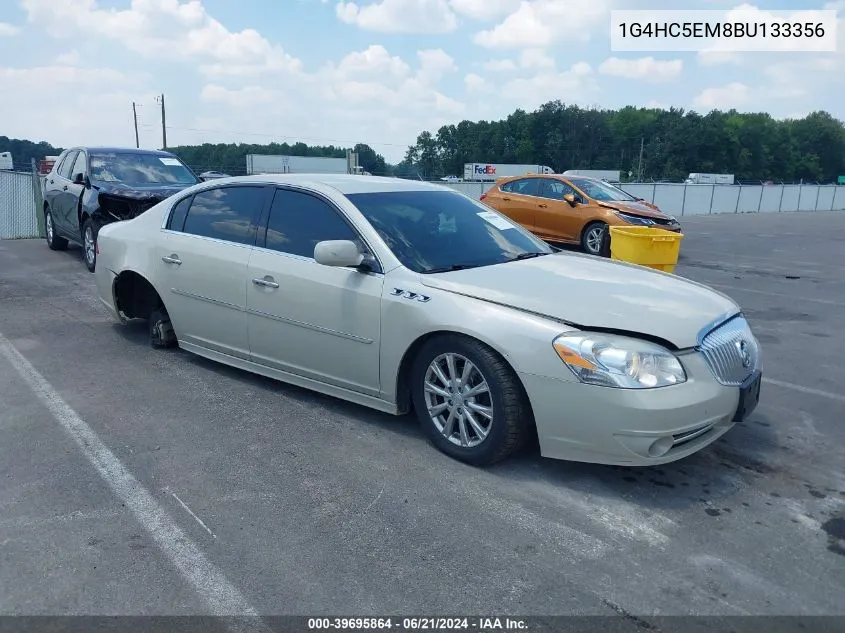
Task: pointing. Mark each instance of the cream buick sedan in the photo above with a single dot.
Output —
(407, 296)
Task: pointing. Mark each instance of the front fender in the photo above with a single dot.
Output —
(524, 340)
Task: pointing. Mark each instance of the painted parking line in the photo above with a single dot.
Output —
(808, 390)
(221, 596)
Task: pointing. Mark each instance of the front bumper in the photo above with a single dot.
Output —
(585, 423)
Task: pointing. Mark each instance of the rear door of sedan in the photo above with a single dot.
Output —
(319, 322)
(201, 265)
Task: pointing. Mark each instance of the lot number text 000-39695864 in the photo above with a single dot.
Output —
(736, 30)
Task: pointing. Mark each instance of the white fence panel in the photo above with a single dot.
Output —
(749, 198)
(697, 199)
(670, 198)
(839, 199)
(791, 194)
(17, 206)
(770, 200)
(825, 199)
(639, 190)
(725, 199)
(807, 198)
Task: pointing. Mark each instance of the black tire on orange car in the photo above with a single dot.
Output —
(592, 238)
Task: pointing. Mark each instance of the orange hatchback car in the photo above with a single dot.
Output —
(572, 209)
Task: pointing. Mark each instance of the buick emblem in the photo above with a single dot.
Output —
(744, 354)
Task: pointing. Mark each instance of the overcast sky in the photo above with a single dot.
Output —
(375, 71)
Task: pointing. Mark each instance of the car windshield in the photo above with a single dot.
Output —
(439, 231)
(138, 169)
(600, 190)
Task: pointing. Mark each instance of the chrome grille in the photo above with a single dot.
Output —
(731, 351)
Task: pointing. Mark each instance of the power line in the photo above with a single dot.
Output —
(284, 136)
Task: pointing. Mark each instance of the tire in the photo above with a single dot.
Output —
(592, 238)
(55, 242)
(89, 243)
(505, 399)
(162, 335)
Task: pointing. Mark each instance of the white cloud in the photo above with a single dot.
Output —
(374, 61)
(498, 65)
(165, 29)
(71, 58)
(476, 83)
(574, 85)
(484, 9)
(535, 58)
(541, 22)
(732, 95)
(400, 16)
(8, 30)
(27, 101)
(435, 63)
(643, 68)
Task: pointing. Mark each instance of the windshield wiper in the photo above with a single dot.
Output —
(448, 269)
(526, 256)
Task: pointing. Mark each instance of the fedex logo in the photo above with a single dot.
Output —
(485, 169)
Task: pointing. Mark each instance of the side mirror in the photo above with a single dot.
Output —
(570, 198)
(341, 253)
(79, 179)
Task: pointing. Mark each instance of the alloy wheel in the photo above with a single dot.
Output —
(594, 239)
(458, 400)
(48, 225)
(89, 245)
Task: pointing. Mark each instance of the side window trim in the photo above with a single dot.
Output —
(264, 226)
(169, 218)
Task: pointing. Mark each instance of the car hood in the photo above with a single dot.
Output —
(594, 293)
(154, 192)
(644, 209)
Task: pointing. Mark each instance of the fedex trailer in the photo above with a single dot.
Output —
(490, 172)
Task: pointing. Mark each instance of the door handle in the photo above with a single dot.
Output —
(505, 198)
(171, 259)
(266, 281)
(543, 206)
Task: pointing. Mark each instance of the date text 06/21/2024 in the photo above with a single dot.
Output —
(479, 624)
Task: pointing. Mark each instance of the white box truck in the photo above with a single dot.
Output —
(710, 179)
(489, 172)
(278, 164)
(610, 175)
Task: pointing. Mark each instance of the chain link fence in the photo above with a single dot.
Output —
(20, 199)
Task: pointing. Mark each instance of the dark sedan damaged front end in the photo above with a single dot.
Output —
(109, 204)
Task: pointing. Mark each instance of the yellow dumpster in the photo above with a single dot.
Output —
(646, 246)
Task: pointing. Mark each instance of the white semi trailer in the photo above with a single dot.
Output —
(279, 164)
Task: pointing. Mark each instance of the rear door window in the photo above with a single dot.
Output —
(527, 186)
(67, 164)
(226, 213)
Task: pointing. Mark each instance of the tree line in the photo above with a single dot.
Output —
(647, 143)
(650, 143)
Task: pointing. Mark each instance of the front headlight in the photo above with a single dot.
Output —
(635, 219)
(615, 361)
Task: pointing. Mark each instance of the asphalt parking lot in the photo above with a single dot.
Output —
(260, 497)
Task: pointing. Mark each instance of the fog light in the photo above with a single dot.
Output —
(661, 446)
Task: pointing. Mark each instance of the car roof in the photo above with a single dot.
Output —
(344, 183)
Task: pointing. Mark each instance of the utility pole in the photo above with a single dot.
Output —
(163, 123)
(640, 169)
(135, 117)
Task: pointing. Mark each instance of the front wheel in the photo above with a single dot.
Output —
(89, 244)
(469, 401)
(592, 239)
